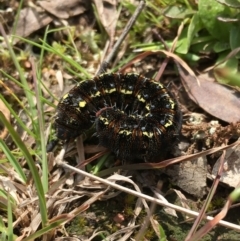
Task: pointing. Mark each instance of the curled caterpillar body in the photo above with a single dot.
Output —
(136, 117)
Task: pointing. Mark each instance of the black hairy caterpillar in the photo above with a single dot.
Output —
(136, 117)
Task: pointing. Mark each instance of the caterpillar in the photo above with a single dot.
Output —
(137, 118)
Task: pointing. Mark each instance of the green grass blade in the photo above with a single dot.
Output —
(44, 100)
(16, 117)
(41, 129)
(32, 167)
(3, 230)
(13, 160)
(65, 57)
(10, 220)
(21, 76)
(17, 17)
(45, 230)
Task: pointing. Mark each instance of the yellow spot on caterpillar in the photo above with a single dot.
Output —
(172, 104)
(148, 134)
(147, 107)
(96, 94)
(125, 132)
(109, 91)
(82, 104)
(156, 83)
(65, 96)
(126, 92)
(140, 98)
(169, 123)
(104, 120)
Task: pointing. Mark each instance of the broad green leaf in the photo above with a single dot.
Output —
(230, 3)
(3, 230)
(188, 34)
(226, 72)
(178, 12)
(194, 27)
(203, 47)
(162, 234)
(235, 195)
(235, 37)
(220, 46)
(183, 42)
(209, 10)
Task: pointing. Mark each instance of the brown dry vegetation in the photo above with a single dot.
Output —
(80, 191)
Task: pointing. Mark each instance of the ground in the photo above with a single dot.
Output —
(57, 45)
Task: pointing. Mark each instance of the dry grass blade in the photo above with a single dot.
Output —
(211, 224)
(150, 212)
(65, 194)
(149, 218)
(86, 204)
(176, 58)
(170, 210)
(233, 53)
(115, 236)
(208, 199)
(179, 60)
(95, 234)
(171, 50)
(146, 197)
(162, 164)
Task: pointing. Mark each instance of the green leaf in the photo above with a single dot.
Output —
(235, 195)
(10, 221)
(50, 227)
(220, 46)
(195, 26)
(227, 72)
(16, 165)
(183, 42)
(203, 47)
(235, 37)
(3, 230)
(230, 3)
(209, 10)
(178, 12)
(162, 234)
(188, 34)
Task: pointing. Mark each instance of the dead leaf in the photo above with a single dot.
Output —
(108, 15)
(63, 9)
(231, 169)
(30, 20)
(191, 176)
(218, 100)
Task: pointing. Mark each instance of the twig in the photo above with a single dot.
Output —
(166, 60)
(126, 30)
(146, 197)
